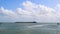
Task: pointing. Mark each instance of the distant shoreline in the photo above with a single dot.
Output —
(25, 22)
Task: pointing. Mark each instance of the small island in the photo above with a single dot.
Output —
(26, 22)
(58, 23)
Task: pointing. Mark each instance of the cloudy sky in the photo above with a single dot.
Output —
(30, 10)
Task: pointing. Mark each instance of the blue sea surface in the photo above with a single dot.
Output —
(29, 28)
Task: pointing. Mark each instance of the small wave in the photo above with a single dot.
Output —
(34, 26)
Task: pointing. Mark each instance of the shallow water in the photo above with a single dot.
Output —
(29, 28)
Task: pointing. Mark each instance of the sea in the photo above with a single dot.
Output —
(29, 28)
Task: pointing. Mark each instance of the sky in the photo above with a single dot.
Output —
(30, 10)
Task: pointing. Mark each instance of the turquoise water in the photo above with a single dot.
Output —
(29, 28)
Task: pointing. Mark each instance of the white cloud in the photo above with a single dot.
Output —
(7, 15)
(39, 12)
(7, 12)
(23, 13)
(32, 11)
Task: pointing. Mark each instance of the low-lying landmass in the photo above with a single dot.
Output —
(25, 22)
